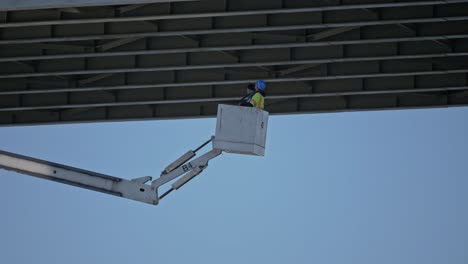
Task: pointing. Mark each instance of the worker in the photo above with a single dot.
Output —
(255, 96)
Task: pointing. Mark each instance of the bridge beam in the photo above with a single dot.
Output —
(43, 4)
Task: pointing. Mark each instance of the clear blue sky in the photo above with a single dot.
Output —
(366, 187)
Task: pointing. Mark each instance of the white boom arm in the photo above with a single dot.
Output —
(135, 189)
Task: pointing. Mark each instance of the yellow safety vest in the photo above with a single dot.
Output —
(258, 101)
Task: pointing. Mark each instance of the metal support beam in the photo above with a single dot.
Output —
(232, 65)
(76, 111)
(29, 66)
(94, 79)
(197, 41)
(231, 30)
(232, 99)
(271, 36)
(330, 33)
(46, 4)
(414, 31)
(336, 77)
(154, 24)
(3, 18)
(229, 82)
(231, 48)
(70, 10)
(128, 8)
(228, 14)
(115, 43)
(63, 47)
(297, 69)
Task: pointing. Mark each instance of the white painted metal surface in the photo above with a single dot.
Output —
(200, 162)
(241, 130)
(134, 190)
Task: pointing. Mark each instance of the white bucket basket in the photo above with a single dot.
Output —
(241, 130)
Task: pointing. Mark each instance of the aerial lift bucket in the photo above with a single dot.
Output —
(241, 130)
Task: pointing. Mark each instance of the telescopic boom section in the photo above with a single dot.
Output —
(134, 190)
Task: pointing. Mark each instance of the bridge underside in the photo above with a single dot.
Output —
(181, 59)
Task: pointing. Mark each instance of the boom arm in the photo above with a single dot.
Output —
(135, 189)
(190, 169)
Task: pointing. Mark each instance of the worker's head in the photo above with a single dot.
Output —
(260, 85)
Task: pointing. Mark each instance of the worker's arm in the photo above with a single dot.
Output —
(246, 103)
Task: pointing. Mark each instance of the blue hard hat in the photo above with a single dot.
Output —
(261, 85)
